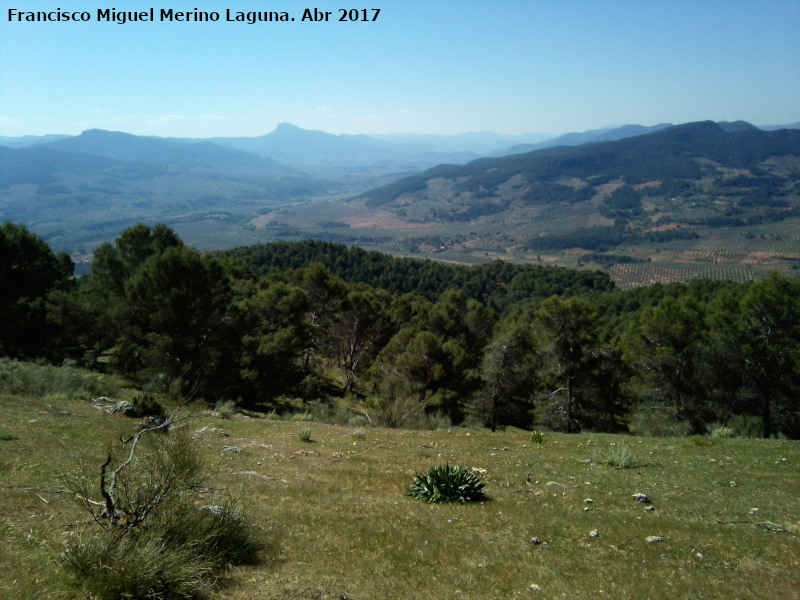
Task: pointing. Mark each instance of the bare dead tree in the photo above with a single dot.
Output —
(129, 505)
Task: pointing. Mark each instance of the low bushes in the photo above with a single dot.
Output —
(152, 537)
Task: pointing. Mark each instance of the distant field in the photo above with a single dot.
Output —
(723, 518)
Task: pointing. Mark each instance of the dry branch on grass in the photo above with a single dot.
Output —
(768, 525)
(134, 504)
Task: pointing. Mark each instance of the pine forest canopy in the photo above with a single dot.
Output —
(408, 342)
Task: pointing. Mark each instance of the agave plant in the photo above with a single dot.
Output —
(447, 483)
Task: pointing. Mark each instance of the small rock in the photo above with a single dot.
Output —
(536, 541)
(594, 533)
(641, 498)
(588, 501)
(233, 449)
(700, 556)
(654, 539)
(535, 588)
(587, 509)
(649, 509)
(211, 430)
(734, 484)
(752, 511)
(123, 407)
(217, 511)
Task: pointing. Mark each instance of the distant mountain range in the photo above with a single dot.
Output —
(661, 194)
(671, 152)
(604, 197)
(307, 148)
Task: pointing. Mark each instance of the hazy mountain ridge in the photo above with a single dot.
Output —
(293, 145)
(668, 153)
(698, 199)
(610, 199)
(78, 191)
(607, 134)
(126, 147)
(29, 140)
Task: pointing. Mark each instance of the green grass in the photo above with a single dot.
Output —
(339, 523)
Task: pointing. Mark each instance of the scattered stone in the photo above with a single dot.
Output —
(556, 484)
(588, 501)
(700, 556)
(253, 474)
(102, 400)
(734, 484)
(649, 509)
(302, 453)
(211, 430)
(123, 407)
(535, 588)
(594, 533)
(752, 511)
(536, 541)
(233, 449)
(587, 509)
(641, 498)
(654, 539)
(217, 511)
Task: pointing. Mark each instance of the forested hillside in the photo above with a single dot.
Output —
(498, 284)
(338, 331)
(688, 201)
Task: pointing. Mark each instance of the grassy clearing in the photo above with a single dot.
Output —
(339, 523)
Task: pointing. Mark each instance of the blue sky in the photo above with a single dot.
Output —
(433, 66)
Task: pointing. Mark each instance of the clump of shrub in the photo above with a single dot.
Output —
(619, 456)
(718, 431)
(447, 483)
(226, 408)
(150, 537)
(304, 434)
(64, 383)
(180, 554)
(537, 437)
(147, 406)
(302, 417)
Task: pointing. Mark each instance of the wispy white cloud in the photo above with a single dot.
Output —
(207, 118)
